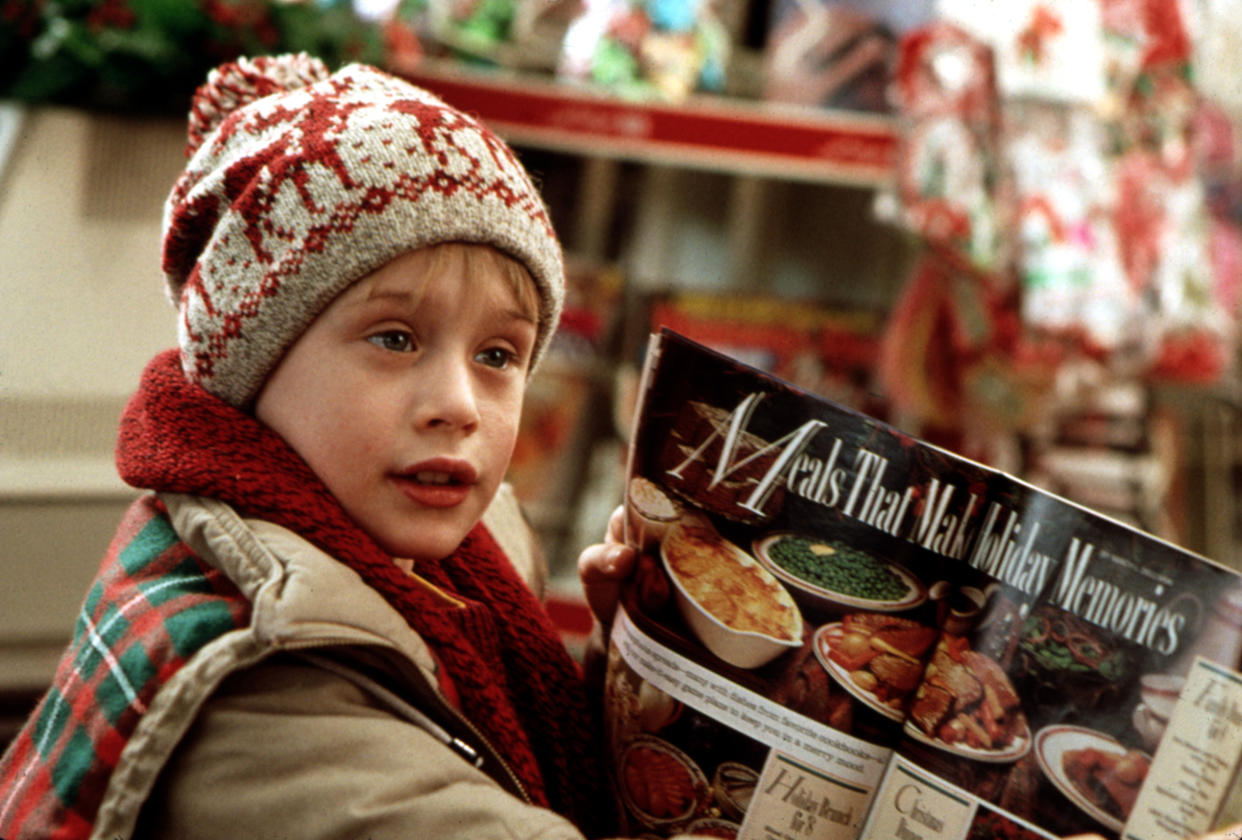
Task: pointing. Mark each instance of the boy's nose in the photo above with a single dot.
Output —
(448, 397)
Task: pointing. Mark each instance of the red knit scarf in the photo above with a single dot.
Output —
(513, 677)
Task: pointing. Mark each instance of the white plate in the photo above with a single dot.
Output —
(916, 593)
(842, 676)
(1051, 744)
(1020, 746)
(742, 648)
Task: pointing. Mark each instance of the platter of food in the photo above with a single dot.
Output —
(966, 705)
(660, 785)
(1095, 771)
(875, 657)
(1062, 654)
(732, 603)
(651, 511)
(830, 575)
(1016, 748)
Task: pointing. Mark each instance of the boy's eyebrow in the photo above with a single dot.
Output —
(516, 314)
(381, 294)
(509, 312)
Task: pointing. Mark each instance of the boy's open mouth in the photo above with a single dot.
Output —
(429, 477)
(442, 482)
(434, 489)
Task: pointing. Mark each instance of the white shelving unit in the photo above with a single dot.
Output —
(752, 164)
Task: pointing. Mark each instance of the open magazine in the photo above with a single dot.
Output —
(839, 631)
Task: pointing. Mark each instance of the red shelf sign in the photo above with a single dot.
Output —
(710, 133)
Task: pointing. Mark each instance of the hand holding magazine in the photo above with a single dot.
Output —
(834, 630)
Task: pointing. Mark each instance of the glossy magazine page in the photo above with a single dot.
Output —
(837, 630)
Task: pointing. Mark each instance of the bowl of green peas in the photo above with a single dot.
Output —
(831, 576)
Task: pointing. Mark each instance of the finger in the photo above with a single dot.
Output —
(605, 562)
(616, 525)
(603, 569)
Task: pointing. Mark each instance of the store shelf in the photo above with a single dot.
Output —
(711, 133)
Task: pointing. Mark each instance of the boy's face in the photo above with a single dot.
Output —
(404, 395)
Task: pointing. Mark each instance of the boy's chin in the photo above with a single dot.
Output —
(424, 547)
(419, 534)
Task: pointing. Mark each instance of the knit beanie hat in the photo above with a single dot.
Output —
(301, 181)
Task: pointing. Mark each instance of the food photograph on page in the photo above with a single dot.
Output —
(838, 596)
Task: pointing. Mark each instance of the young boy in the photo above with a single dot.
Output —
(314, 624)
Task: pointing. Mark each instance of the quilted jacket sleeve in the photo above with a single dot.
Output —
(287, 749)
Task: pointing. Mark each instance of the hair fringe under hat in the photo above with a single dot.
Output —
(300, 182)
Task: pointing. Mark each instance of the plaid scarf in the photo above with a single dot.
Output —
(510, 673)
(152, 606)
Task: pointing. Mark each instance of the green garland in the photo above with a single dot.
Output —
(150, 55)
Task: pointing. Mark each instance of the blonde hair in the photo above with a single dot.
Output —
(513, 270)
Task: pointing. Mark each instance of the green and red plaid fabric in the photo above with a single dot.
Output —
(151, 607)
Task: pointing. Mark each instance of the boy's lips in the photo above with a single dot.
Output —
(437, 483)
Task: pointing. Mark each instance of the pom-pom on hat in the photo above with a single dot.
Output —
(301, 181)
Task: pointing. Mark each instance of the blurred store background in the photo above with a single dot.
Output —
(1012, 228)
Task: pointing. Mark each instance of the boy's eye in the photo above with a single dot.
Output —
(497, 357)
(397, 341)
